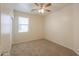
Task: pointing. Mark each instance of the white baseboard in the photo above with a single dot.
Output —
(76, 52)
(24, 41)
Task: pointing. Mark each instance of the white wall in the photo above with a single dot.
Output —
(59, 27)
(35, 28)
(76, 27)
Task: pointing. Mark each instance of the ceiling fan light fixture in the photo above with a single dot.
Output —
(41, 11)
(42, 7)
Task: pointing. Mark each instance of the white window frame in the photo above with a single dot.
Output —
(22, 25)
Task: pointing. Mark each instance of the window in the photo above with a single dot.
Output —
(23, 24)
(5, 24)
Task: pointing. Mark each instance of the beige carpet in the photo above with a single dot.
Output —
(40, 48)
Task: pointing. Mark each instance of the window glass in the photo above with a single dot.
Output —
(23, 24)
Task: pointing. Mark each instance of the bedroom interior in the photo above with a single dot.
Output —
(39, 29)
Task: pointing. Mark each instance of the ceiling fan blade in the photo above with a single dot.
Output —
(48, 10)
(41, 5)
(47, 5)
(33, 9)
(36, 4)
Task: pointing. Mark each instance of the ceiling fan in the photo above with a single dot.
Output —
(42, 7)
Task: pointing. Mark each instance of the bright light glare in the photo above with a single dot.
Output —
(41, 11)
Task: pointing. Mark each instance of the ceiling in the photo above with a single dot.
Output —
(27, 7)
